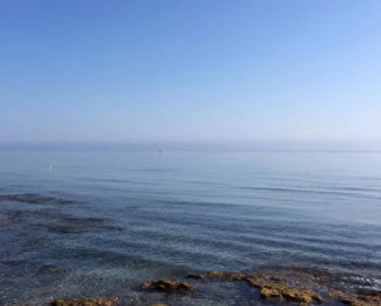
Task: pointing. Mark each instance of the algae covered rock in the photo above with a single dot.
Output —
(110, 301)
(359, 298)
(168, 286)
(285, 293)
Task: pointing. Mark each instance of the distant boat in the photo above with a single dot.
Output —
(160, 151)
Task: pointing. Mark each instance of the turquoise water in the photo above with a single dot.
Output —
(138, 215)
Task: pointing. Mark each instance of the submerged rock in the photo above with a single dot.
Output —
(52, 269)
(64, 229)
(196, 276)
(71, 224)
(32, 199)
(168, 286)
(219, 275)
(48, 269)
(111, 301)
(3, 223)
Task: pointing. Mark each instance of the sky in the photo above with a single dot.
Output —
(214, 71)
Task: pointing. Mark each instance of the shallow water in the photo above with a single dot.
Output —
(138, 215)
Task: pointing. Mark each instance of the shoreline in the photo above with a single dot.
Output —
(287, 285)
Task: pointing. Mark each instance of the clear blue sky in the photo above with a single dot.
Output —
(190, 71)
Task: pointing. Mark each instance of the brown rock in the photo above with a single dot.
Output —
(227, 275)
(267, 293)
(283, 292)
(271, 287)
(111, 301)
(52, 269)
(168, 286)
(360, 298)
(196, 276)
(255, 281)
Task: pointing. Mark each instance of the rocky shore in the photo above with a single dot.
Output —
(268, 286)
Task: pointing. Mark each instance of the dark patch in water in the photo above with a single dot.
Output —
(33, 199)
(15, 215)
(64, 229)
(71, 224)
(82, 220)
(55, 221)
(33, 245)
(60, 228)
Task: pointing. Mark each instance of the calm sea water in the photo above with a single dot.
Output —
(143, 215)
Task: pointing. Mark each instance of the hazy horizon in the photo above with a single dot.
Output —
(282, 74)
(199, 146)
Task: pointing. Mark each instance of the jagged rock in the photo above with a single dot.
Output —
(168, 286)
(282, 292)
(270, 293)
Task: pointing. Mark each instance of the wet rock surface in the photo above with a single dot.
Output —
(359, 298)
(168, 286)
(298, 285)
(286, 293)
(270, 286)
(111, 301)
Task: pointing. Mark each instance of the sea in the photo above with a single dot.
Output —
(80, 223)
